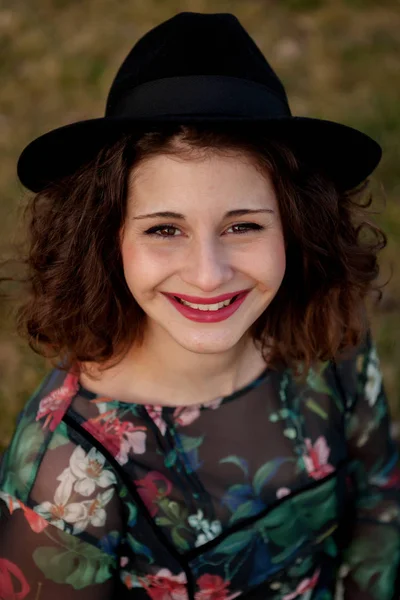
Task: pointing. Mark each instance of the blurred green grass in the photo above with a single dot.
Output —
(339, 60)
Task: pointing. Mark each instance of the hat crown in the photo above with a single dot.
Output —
(194, 44)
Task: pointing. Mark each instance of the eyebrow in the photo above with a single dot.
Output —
(231, 213)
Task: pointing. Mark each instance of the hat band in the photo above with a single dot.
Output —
(202, 95)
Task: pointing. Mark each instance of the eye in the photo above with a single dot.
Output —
(163, 231)
(245, 227)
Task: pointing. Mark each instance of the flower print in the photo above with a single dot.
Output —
(94, 513)
(60, 511)
(374, 378)
(155, 413)
(386, 482)
(54, 406)
(119, 437)
(316, 461)
(105, 429)
(214, 404)
(35, 521)
(213, 587)
(165, 586)
(205, 531)
(307, 585)
(11, 576)
(89, 471)
(132, 439)
(150, 492)
(185, 415)
(282, 492)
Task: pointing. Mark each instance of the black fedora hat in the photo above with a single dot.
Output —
(199, 68)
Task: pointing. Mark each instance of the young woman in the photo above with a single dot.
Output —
(215, 425)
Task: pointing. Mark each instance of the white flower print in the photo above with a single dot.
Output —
(94, 513)
(60, 512)
(89, 471)
(374, 378)
(205, 531)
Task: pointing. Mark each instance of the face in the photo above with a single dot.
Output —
(202, 248)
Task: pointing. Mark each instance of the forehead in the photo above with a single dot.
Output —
(174, 180)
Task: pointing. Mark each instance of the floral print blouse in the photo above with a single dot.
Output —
(285, 489)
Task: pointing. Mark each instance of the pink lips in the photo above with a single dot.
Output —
(200, 300)
(202, 316)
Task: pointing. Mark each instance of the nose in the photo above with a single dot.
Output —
(207, 266)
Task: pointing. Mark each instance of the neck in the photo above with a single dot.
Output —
(184, 377)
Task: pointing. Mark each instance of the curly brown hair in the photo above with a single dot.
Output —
(77, 307)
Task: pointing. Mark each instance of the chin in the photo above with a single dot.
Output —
(208, 344)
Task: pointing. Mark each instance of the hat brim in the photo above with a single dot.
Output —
(346, 155)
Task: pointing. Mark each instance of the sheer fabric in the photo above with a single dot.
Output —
(285, 489)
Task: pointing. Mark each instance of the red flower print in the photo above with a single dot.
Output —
(119, 437)
(36, 522)
(165, 586)
(104, 430)
(149, 491)
(213, 587)
(386, 482)
(11, 577)
(55, 405)
(316, 461)
(304, 586)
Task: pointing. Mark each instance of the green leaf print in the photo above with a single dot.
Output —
(132, 513)
(77, 563)
(234, 543)
(170, 458)
(301, 516)
(173, 511)
(314, 407)
(20, 459)
(316, 507)
(317, 382)
(266, 472)
(179, 541)
(373, 560)
(190, 443)
(247, 509)
(300, 569)
(163, 522)
(282, 527)
(60, 437)
(239, 462)
(140, 548)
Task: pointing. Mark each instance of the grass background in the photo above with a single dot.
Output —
(339, 60)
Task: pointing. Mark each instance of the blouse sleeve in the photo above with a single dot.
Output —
(38, 561)
(370, 570)
(60, 518)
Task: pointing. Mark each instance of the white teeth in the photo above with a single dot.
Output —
(206, 307)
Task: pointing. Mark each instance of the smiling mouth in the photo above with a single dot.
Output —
(207, 307)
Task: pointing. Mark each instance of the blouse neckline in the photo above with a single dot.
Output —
(212, 404)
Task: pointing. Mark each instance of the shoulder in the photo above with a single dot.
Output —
(358, 369)
(38, 429)
(62, 478)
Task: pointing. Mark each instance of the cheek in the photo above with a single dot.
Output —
(144, 266)
(269, 263)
